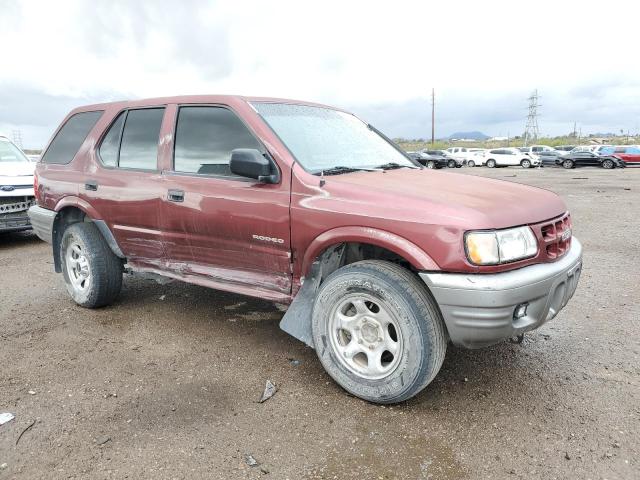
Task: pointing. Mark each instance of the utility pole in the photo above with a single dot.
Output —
(531, 131)
(433, 116)
(575, 132)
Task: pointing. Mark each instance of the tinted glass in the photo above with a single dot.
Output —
(205, 137)
(139, 146)
(111, 143)
(66, 143)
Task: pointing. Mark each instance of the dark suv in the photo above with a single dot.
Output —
(382, 261)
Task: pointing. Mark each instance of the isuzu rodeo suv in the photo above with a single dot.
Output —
(381, 261)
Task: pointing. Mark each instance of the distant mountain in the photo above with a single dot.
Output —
(471, 135)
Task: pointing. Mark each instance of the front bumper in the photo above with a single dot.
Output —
(479, 309)
(14, 222)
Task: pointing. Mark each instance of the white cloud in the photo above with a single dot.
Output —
(355, 54)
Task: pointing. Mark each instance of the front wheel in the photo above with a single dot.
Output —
(491, 163)
(525, 163)
(451, 164)
(608, 164)
(92, 273)
(378, 332)
(567, 164)
(471, 163)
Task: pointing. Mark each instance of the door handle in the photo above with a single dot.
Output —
(91, 185)
(176, 196)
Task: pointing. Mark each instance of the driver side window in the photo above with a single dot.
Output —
(205, 137)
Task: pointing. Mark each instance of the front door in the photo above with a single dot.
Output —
(226, 229)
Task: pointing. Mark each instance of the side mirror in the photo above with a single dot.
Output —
(248, 162)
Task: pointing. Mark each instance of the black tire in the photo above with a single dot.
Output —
(422, 334)
(608, 164)
(491, 163)
(471, 163)
(451, 164)
(431, 164)
(104, 280)
(567, 164)
(525, 163)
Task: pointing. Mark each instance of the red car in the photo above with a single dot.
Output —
(381, 260)
(630, 154)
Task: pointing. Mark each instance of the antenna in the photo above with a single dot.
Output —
(531, 131)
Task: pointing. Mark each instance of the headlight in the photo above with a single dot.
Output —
(500, 246)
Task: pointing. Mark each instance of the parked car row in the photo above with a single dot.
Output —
(567, 156)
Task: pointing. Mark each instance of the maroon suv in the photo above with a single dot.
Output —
(382, 261)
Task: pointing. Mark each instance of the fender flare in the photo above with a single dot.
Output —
(93, 215)
(408, 250)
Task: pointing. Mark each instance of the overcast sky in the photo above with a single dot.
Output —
(378, 59)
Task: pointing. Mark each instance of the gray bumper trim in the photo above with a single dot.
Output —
(42, 222)
(478, 309)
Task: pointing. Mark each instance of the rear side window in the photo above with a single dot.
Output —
(139, 146)
(132, 140)
(205, 137)
(70, 137)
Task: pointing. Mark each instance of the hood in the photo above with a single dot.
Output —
(16, 169)
(446, 198)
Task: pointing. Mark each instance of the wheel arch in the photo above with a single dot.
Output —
(72, 210)
(406, 250)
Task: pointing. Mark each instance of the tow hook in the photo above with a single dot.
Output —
(517, 339)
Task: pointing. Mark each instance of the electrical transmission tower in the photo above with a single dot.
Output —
(17, 138)
(531, 131)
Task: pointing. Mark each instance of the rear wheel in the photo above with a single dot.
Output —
(471, 163)
(525, 163)
(451, 164)
(92, 273)
(491, 163)
(608, 164)
(567, 164)
(378, 332)
(431, 164)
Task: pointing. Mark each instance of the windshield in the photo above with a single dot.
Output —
(321, 138)
(10, 153)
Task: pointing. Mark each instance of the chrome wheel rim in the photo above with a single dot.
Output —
(366, 336)
(78, 268)
(526, 164)
(430, 165)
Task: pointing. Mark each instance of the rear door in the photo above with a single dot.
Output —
(124, 185)
(225, 228)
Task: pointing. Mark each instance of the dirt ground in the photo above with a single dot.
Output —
(165, 383)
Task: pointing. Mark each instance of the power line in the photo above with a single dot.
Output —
(531, 131)
(17, 138)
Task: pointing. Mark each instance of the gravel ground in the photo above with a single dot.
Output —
(165, 383)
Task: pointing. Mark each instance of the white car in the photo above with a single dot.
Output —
(466, 156)
(16, 187)
(504, 157)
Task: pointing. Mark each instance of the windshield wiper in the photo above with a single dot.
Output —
(337, 170)
(394, 165)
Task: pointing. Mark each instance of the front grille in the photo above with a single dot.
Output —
(15, 204)
(556, 236)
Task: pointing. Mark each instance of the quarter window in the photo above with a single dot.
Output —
(70, 137)
(111, 143)
(205, 137)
